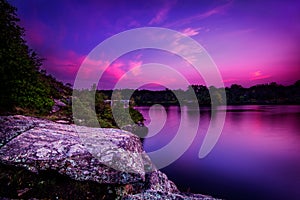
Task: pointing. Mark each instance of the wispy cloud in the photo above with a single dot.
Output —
(161, 15)
(258, 75)
(230, 80)
(135, 66)
(116, 69)
(191, 31)
(65, 66)
(185, 21)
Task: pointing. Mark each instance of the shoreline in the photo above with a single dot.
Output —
(47, 146)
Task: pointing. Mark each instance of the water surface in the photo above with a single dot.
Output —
(256, 157)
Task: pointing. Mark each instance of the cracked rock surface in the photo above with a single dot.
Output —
(102, 155)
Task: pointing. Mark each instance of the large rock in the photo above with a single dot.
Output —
(40, 145)
(105, 156)
(158, 195)
(13, 126)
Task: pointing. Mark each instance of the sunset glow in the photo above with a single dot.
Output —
(251, 42)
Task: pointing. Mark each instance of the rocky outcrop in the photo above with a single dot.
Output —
(58, 104)
(40, 145)
(158, 195)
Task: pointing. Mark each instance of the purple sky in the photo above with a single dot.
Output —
(250, 41)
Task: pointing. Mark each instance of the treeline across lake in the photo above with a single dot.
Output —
(272, 93)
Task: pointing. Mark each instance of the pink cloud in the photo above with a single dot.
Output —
(161, 14)
(257, 75)
(217, 10)
(35, 33)
(135, 66)
(230, 80)
(191, 31)
(116, 69)
(120, 67)
(69, 58)
(39, 33)
(65, 66)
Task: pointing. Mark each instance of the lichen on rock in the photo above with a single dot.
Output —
(104, 156)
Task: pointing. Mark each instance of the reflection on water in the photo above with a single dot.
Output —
(256, 157)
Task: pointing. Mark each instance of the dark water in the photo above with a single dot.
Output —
(256, 157)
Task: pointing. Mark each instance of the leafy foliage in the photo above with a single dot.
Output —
(271, 93)
(85, 111)
(22, 83)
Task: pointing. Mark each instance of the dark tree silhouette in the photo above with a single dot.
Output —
(272, 93)
(21, 82)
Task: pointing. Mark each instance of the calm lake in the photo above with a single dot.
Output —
(256, 157)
